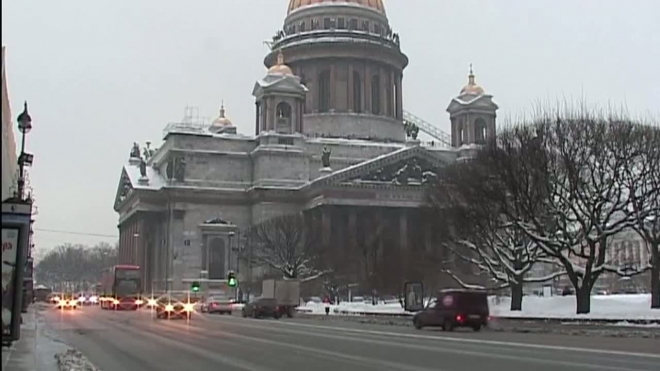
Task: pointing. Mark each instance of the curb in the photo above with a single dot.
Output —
(577, 321)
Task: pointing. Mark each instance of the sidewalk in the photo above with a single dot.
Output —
(22, 355)
(34, 351)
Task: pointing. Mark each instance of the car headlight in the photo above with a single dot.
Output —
(93, 299)
(151, 302)
(189, 307)
(115, 302)
(169, 307)
(139, 302)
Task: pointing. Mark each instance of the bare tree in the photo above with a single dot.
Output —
(642, 178)
(581, 164)
(474, 209)
(74, 267)
(289, 245)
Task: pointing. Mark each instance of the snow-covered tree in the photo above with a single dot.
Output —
(474, 209)
(580, 168)
(643, 181)
(288, 244)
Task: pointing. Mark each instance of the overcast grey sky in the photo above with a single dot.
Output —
(100, 75)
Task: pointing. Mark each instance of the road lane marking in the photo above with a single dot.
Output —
(491, 353)
(220, 358)
(466, 340)
(390, 365)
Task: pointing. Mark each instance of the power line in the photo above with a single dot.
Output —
(75, 233)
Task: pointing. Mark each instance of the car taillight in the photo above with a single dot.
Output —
(213, 304)
(459, 318)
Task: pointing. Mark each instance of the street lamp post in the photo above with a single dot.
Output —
(24, 159)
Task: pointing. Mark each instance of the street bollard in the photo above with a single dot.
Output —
(327, 310)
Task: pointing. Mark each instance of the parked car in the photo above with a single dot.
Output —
(455, 308)
(217, 304)
(261, 307)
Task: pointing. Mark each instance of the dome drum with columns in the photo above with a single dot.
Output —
(328, 141)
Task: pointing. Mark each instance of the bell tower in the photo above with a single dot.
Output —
(473, 115)
(280, 100)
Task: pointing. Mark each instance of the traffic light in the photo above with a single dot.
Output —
(194, 287)
(231, 279)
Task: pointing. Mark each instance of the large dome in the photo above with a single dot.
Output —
(373, 4)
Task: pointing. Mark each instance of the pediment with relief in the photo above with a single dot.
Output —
(124, 189)
(407, 166)
(411, 171)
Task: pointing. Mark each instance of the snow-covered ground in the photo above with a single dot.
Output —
(52, 353)
(623, 307)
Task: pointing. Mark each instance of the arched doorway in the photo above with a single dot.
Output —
(217, 258)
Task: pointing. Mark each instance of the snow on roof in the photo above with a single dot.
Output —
(356, 142)
(156, 181)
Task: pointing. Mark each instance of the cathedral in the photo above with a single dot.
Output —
(331, 139)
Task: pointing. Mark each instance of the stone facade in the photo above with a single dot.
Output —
(184, 215)
(9, 150)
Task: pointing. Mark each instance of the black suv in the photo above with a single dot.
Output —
(455, 308)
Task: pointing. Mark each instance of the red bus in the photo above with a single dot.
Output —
(121, 287)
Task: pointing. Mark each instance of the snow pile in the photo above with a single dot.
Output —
(623, 307)
(73, 360)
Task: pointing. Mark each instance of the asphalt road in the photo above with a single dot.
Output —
(134, 341)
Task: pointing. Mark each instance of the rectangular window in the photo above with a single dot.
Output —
(353, 24)
(365, 26)
(341, 23)
(377, 29)
(327, 23)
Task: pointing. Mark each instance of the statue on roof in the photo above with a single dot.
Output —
(143, 168)
(135, 151)
(412, 131)
(325, 157)
(147, 151)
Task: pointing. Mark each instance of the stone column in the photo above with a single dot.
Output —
(313, 87)
(333, 86)
(351, 97)
(142, 250)
(256, 118)
(301, 115)
(352, 229)
(326, 226)
(391, 93)
(121, 241)
(403, 230)
(367, 89)
(383, 91)
(264, 108)
(399, 96)
(270, 125)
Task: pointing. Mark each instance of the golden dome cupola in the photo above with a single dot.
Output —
(472, 88)
(280, 68)
(376, 5)
(222, 124)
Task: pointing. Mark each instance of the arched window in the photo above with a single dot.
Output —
(480, 133)
(357, 92)
(217, 259)
(324, 91)
(283, 118)
(375, 95)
